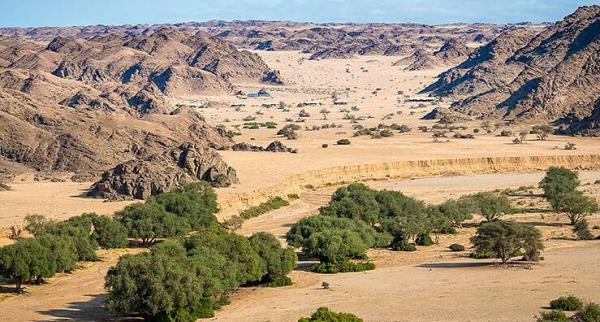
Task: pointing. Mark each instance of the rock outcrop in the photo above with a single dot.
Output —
(140, 179)
(85, 104)
(553, 76)
(275, 146)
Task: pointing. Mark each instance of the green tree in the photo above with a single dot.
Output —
(26, 260)
(505, 239)
(576, 205)
(36, 224)
(542, 131)
(559, 181)
(152, 285)
(489, 205)
(80, 234)
(301, 231)
(196, 203)
(243, 259)
(323, 314)
(335, 246)
(108, 232)
(356, 201)
(276, 262)
(149, 221)
(62, 250)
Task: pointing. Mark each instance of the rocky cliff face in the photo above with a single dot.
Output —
(85, 104)
(140, 179)
(551, 76)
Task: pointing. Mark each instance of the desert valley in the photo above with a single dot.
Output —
(261, 170)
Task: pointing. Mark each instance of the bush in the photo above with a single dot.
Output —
(343, 142)
(323, 314)
(582, 230)
(424, 240)
(276, 262)
(356, 201)
(489, 205)
(566, 303)
(194, 203)
(345, 266)
(457, 247)
(36, 224)
(279, 282)
(183, 280)
(25, 261)
(403, 246)
(552, 316)
(589, 313)
(263, 208)
(300, 232)
(506, 239)
(149, 221)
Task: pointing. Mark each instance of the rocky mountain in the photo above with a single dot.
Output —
(142, 178)
(84, 105)
(321, 41)
(550, 76)
(450, 53)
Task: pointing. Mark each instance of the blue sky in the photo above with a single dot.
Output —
(86, 12)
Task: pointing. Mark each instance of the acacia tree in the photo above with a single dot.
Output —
(560, 189)
(576, 206)
(489, 205)
(276, 262)
(542, 131)
(26, 260)
(505, 239)
(356, 201)
(149, 221)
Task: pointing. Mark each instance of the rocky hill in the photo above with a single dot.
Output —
(142, 178)
(85, 105)
(321, 41)
(550, 76)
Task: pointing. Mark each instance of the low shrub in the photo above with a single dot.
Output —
(345, 266)
(482, 255)
(424, 240)
(403, 246)
(566, 303)
(323, 314)
(343, 142)
(552, 316)
(271, 204)
(589, 313)
(278, 282)
(457, 247)
(582, 230)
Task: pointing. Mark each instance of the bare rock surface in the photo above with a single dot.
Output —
(140, 179)
(553, 76)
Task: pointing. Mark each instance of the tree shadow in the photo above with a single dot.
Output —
(92, 310)
(546, 224)
(456, 264)
(10, 290)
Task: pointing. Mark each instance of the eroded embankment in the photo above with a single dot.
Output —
(232, 205)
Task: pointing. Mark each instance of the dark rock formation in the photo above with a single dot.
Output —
(275, 146)
(140, 179)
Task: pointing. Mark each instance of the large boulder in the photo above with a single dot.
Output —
(140, 179)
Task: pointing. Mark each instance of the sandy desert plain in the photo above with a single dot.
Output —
(431, 284)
